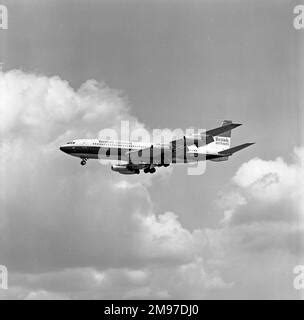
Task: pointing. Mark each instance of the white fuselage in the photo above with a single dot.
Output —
(120, 150)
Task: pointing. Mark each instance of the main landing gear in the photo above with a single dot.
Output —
(83, 162)
(151, 170)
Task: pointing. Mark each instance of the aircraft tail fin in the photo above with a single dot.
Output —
(226, 133)
(223, 139)
(224, 130)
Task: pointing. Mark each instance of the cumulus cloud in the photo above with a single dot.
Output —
(68, 232)
(264, 185)
(262, 233)
(44, 107)
(164, 238)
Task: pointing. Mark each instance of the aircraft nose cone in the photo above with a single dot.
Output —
(64, 149)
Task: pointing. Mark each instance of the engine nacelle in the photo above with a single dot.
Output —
(123, 169)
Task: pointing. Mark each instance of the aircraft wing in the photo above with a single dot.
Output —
(164, 154)
(151, 155)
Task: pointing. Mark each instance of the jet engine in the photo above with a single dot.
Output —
(124, 169)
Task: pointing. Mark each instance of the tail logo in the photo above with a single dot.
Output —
(222, 140)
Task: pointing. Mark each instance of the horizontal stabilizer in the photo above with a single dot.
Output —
(222, 129)
(220, 159)
(229, 152)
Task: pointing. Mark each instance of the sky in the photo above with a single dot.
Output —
(73, 68)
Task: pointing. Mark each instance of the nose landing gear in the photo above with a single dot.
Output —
(83, 162)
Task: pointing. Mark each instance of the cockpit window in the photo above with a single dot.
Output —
(71, 142)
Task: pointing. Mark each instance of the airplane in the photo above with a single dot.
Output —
(133, 157)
